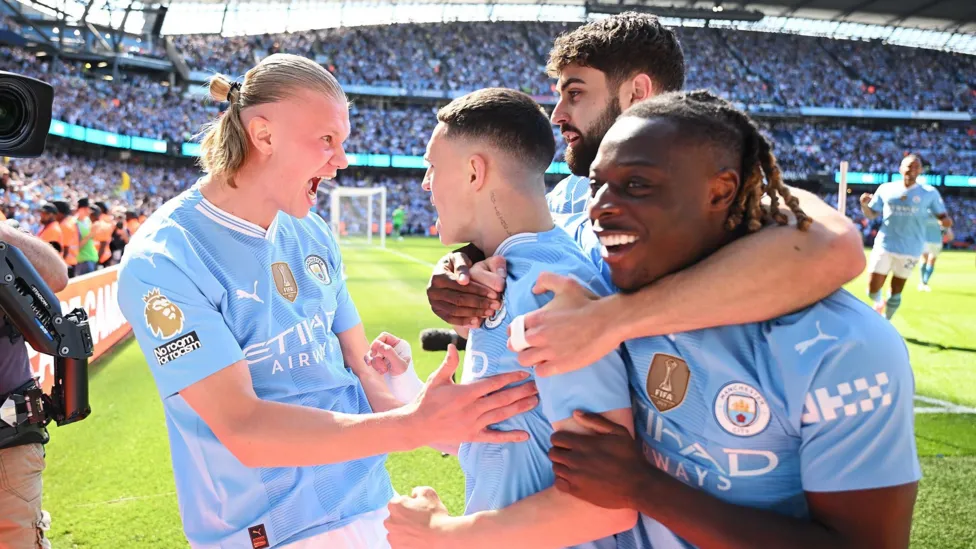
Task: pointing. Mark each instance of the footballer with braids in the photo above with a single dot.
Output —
(736, 451)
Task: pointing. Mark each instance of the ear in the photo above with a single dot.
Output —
(477, 171)
(259, 133)
(722, 188)
(636, 89)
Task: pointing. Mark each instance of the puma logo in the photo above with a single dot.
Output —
(802, 346)
(241, 294)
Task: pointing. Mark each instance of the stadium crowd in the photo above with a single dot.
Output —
(760, 69)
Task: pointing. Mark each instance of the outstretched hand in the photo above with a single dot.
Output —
(448, 414)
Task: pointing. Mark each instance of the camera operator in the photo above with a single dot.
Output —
(22, 522)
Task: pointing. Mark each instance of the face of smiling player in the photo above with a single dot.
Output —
(448, 173)
(299, 140)
(660, 203)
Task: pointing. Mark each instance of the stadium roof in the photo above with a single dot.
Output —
(943, 15)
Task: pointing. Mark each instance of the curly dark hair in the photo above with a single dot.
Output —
(705, 117)
(622, 46)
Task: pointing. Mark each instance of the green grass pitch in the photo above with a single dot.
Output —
(109, 481)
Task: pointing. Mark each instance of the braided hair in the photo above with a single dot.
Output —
(703, 116)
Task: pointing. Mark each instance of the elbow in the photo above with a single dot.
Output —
(59, 279)
(847, 249)
(239, 441)
(840, 249)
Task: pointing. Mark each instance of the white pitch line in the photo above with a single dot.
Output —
(121, 500)
(408, 257)
(941, 407)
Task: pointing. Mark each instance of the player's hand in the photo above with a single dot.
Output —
(462, 294)
(568, 333)
(601, 468)
(418, 521)
(448, 414)
(866, 199)
(389, 354)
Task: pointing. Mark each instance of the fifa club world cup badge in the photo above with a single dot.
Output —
(667, 381)
(285, 281)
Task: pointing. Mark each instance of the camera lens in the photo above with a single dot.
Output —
(15, 113)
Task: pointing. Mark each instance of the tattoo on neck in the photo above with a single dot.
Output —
(498, 214)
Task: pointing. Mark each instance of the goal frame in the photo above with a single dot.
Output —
(335, 211)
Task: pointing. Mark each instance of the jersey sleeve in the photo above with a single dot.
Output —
(179, 328)
(877, 202)
(346, 315)
(597, 388)
(857, 427)
(938, 205)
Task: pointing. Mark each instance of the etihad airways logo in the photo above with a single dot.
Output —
(690, 460)
(299, 346)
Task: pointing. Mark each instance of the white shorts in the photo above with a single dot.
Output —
(933, 249)
(367, 532)
(882, 262)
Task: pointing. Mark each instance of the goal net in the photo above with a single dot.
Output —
(359, 214)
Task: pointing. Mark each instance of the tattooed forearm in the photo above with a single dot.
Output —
(498, 214)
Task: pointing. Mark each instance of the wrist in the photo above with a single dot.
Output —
(462, 531)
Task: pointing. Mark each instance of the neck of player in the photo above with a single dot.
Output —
(248, 201)
(505, 209)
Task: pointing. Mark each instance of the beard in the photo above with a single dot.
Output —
(580, 156)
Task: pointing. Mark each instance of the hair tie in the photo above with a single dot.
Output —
(234, 86)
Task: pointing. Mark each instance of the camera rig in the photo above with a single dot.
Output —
(33, 313)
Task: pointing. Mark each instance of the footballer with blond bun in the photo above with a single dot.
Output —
(278, 428)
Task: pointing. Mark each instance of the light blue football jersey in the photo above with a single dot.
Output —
(202, 290)
(580, 229)
(498, 475)
(904, 213)
(933, 230)
(570, 195)
(819, 400)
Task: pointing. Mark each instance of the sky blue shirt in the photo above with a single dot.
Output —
(498, 475)
(820, 400)
(933, 230)
(202, 290)
(569, 195)
(904, 213)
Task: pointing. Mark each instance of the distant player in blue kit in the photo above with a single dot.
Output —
(278, 428)
(488, 156)
(904, 207)
(794, 432)
(934, 235)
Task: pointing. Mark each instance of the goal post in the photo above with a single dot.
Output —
(358, 211)
(842, 189)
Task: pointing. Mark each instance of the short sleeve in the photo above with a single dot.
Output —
(857, 428)
(938, 206)
(597, 388)
(179, 329)
(346, 315)
(877, 202)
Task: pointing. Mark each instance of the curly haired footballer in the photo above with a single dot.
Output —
(705, 116)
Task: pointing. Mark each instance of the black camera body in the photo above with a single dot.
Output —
(25, 115)
(32, 310)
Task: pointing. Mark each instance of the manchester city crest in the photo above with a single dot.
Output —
(318, 268)
(496, 319)
(741, 410)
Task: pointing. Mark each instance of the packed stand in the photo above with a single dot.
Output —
(137, 105)
(821, 147)
(401, 191)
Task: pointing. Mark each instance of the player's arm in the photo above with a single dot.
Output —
(871, 205)
(740, 283)
(550, 518)
(45, 259)
(455, 298)
(201, 362)
(859, 465)
(938, 209)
